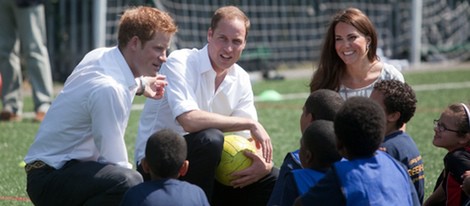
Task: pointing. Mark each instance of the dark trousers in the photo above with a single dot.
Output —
(80, 183)
(204, 153)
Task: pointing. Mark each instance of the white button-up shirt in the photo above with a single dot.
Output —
(88, 118)
(191, 86)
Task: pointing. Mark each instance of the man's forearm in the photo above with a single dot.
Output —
(197, 120)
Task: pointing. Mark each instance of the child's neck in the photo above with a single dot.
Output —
(391, 131)
(391, 127)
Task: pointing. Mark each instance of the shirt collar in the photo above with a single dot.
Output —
(129, 78)
(207, 66)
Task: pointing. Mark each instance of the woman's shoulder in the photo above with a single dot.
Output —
(391, 72)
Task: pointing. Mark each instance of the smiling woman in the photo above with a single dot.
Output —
(349, 63)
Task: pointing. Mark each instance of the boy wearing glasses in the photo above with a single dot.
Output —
(452, 132)
(399, 103)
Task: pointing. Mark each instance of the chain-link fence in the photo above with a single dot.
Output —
(282, 32)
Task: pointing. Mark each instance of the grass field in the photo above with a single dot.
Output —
(435, 90)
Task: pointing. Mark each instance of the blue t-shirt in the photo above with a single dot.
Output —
(298, 182)
(401, 146)
(364, 180)
(165, 192)
(291, 162)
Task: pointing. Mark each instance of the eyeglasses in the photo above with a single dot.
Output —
(441, 128)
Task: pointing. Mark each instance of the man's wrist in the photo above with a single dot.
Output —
(142, 85)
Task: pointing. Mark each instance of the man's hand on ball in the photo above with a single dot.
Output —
(258, 169)
(263, 141)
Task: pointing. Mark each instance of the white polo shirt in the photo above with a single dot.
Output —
(88, 118)
(191, 86)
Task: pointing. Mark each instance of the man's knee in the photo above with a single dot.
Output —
(215, 137)
(131, 178)
(212, 140)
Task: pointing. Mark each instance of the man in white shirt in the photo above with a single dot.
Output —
(79, 155)
(208, 94)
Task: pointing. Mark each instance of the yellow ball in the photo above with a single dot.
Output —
(233, 159)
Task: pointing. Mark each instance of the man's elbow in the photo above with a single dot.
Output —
(190, 128)
(188, 124)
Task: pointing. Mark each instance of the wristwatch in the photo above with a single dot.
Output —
(143, 84)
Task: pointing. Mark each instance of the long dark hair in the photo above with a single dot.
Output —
(331, 67)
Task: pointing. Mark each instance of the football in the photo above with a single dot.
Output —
(233, 159)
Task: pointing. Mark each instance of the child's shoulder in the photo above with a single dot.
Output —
(400, 140)
(459, 155)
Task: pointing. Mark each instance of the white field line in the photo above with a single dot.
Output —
(303, 95)
(451, 85)
(421, 87)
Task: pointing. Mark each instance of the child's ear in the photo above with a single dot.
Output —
(184, 168)
(309, 157)
(145, 166)
(467, 138)
(310, 117)
(393, 117)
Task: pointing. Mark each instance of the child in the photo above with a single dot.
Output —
(399, 103)
(317, 153)
(367, 176)
(165, 160)
(320, 105)
(452, 132)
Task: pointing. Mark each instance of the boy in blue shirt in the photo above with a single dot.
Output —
(165, 160)
(367, 176)
(321, 104)
(399, 103)
(317, 153)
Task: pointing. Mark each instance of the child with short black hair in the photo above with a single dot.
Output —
(452, 132)
(399, 103)
(367, 176)
(317, 153)
(165, 160)
(321, 104)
